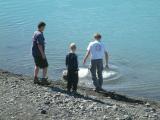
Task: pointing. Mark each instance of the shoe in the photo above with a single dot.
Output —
(68, 91)
(36, 81)
(45, 82)
(74, 92)
(101, 89)
(96, 89)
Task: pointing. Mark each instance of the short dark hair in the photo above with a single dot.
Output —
(41, 24)
(97, 36)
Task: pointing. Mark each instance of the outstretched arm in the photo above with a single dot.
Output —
(86, 56)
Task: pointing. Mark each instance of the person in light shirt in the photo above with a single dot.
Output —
(97, 51)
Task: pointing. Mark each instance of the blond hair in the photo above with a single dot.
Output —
(72, 46)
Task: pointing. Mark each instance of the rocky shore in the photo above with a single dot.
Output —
(20, 99)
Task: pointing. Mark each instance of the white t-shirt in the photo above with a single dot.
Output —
(97, 50)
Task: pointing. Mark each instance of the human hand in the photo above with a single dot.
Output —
(107, 67)
(84, 62)
(44, 56)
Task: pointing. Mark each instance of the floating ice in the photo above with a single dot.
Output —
(110, 74)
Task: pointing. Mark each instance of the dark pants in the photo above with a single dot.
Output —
(72, 78)
(97, 69)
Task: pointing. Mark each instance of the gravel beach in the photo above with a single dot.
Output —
(20, 99)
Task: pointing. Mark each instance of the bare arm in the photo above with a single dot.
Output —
(41, 51)
(107, 58)
(86, 56)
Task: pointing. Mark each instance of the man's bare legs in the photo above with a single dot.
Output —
(36, 71)
(44, 75)
(44, 79)
(45, 72)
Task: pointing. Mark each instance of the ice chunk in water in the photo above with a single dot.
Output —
(83, 72)
(107, 74)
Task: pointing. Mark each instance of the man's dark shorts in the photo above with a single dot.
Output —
(40, 62)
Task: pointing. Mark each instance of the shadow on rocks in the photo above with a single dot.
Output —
(77, 95)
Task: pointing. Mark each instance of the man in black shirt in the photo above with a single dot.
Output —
(72, 67)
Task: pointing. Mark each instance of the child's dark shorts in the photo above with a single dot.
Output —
(40, 62)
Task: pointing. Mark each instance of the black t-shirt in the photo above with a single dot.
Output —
(72, 62)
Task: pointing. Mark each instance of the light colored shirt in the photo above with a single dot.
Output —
(97, 50)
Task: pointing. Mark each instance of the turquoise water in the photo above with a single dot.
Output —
(130, 29)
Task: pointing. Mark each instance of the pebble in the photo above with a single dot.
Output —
(108, 106)
(57, 95)
(147, 110)
(43, 112)
(91, 106)
(151, 110)
(145, 115)
(47, 102)
(147, 104)
(155, 115)
(127, 117)
(47, 94)
(106, 117)
(133, 106)
(151, 116)
(115, 108)
(12, 117)
(108, 97)
(11, 100)
(39, 95)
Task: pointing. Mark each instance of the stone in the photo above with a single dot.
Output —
(118, 118)
(108, 106)
(12, 117)
(95, 108)
(39, 95)
(11, 100)
(145, 115)
(155, 114)
(47, 102)
(154, 110)
(133, 106)
(43, 112)
(151, 116)
(47, 94)
(147, 104)
(106, 117)
(147, 110)
(115, 108)
(57, 95)
(127, 117)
